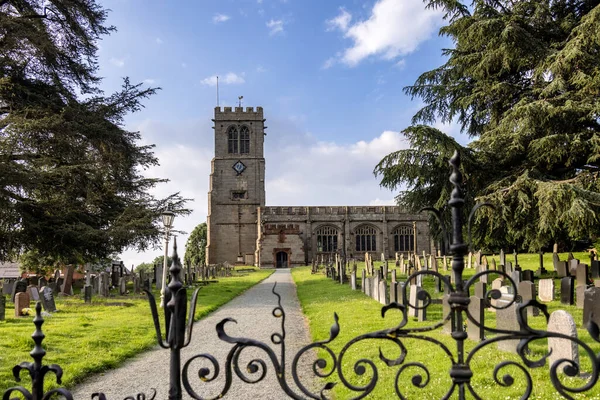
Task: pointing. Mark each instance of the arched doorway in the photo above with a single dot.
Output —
(281, 259)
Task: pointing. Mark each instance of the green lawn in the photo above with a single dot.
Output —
(320, 298)
(85, 339)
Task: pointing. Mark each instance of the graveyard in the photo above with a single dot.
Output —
(359, 312)
(89, 337)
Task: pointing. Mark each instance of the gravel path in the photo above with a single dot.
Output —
(253, 312)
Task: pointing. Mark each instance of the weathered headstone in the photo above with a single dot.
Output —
(34, 293)
(506, 319)
(580, 284)
(566, 290)
(394, 279)
(595, 269)
(480, 289)
(7, 288)
(561, 269)
(502, 257)
(400, 298)
(591, 306)
(527, 275)
(47, 298)
(496, 285)
(363, 280)
(20, 286)
(572, 266)
(21, 301)
(414, 289)
(422, 313)
(546, 290)
(383, 293)
(393, 292)
(516, 277)
(476, 310)
(562, 322)
(368, 285)
(87, 293)
(527, 291)
(353, 280)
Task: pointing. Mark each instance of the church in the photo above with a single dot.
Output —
(243, 230)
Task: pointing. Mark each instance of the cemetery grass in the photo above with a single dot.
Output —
(358, 314)
(85, 339)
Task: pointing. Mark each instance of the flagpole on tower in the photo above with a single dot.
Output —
(217, 90)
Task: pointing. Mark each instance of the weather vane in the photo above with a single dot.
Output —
(240, 100)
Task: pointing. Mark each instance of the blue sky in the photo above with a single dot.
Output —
(329, 75)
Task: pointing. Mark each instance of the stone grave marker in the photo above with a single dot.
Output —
(446, 310)
(591, 306)
(527, 275)
(87, 293)
(580, 284)
(573, 266)
(476, 310)
(353, 280)
(47, 298)
(561, 269)
(546, 290)
(422, 314)
(363, 280)
(516, 276)
(394, 279)
(412, 312)
(595, 269)
(400, 299)
(527, 291)
(496, 285)
(502, 257)
(7, 288)
(562, 322)
(494, 267)
(508, 268)
(383, 293)
(375, 294)
(2, 307)
(506, 319)
(393, 292)
(368, 284)
(566, 290)
(20, 286)
(34, 293)
(480, 289)
(21, 301)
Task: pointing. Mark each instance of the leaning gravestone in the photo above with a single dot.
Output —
(566, 290)
(561, 269)
(21, 302)
(591, 306)
(562, 322)
(2, 307)
(19, 287)
(581, 284)
(34, 293)
(476, 311)
(546, 290)
(506, 319)
(47, 298)
(527, 291)
(527, 275)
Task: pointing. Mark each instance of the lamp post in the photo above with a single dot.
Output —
(167, 219)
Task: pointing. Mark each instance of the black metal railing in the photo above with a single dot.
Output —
(179, 333)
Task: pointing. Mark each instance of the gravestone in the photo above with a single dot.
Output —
(476, 310)
(502, 257)
(385, 270)
(561, 269)
(412, 312)
(122, 286)
(34, 293)
(353, 280)
(508, 268)
(562, 322)
(447, 311)
(394, 292)
(591, 306)
(566, 290)
(7, 288)
(506, 319)
(394, 276)
(546, 290)
(87, 293)
(496, 285)
(422, 314)
(480, 290)
(2, 307)
(20, 286)
(595, 269)
(383, 293)
(527, 275)
(580, 284)
(400, 298)
(375, 293)
(21, 302)
(47, 298)
(367, 285)
(527, 291)
(363, 278)
(516, 277)
(572, 266)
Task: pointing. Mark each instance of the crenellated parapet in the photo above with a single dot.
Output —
(238, 113)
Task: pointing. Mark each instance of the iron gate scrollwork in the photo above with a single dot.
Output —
(179, 333)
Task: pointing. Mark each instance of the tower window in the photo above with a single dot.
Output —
(233, 139)
(404, 239)
(238, 195)
(245, 140)
(327, 239)
(366, 239)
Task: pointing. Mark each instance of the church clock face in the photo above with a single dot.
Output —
(239, 167)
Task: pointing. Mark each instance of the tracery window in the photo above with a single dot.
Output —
(327, 239)
(404, 239)
(233, 139)
(366, 238)
(244, 140)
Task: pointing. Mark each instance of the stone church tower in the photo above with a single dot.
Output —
(237, 185)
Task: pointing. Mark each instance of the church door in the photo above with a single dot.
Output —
(282, 259)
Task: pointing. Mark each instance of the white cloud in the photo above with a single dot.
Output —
(261, 69)
(230, 78)
(400, 64)
(150, 81)
(382, 202)
(218, 18)
(159, 41)
(330, 62)
(275, 26)
(394, 28)
(117, 62)
(340, 22)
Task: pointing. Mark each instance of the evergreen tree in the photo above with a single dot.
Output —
(195, 247)
(523, 81)
(71, 183)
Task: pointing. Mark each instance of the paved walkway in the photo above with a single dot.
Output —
(253, 312)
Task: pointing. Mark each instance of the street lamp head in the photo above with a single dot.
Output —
(168, 216)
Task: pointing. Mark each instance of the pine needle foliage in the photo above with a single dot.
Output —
(72, 187)
(523, 81)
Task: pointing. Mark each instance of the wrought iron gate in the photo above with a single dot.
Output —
(179, 333)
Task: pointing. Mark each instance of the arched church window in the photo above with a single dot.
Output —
(327, 239)
(366, 238)
(404, 239)
(233, 138)
(244, 140)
